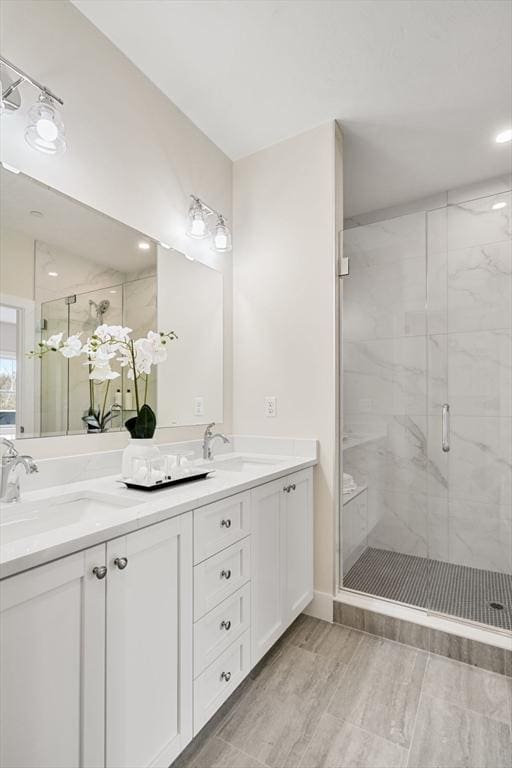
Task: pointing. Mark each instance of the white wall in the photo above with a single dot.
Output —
(16, 263)
(131, 153)
(285, 305)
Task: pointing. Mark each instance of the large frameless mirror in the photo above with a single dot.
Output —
(65, 270)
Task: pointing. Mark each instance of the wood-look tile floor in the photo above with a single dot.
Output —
(332, 697)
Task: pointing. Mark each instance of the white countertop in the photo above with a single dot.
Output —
(150, 507)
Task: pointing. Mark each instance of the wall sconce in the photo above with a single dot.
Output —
(220, 235)
(45, 129)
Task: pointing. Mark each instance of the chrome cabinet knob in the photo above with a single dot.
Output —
(225, 523)
(100, 571)
(225, 574)
(225, 625)
(226, 676)
(293, 486)
(121, 563)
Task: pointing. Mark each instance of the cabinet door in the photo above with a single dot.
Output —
(298, 535)
(52, 627)
(149, 645)
(268, 556)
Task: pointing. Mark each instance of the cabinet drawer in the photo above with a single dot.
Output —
(212, 688)
(219, 628)
(218, 525)
(220, 576)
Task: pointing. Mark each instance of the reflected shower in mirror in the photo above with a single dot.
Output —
(67, 269)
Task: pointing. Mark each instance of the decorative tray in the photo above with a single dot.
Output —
(198, 474)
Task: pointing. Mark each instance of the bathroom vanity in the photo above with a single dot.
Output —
(128, 618)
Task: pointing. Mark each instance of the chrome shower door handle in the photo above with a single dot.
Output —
(446, 428)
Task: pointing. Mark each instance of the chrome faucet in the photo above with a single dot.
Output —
(10, 479)
(209, 437)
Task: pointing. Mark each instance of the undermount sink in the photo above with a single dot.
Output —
(25, 519)
(242, 463)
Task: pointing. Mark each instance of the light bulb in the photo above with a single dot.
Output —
(47, 129)
(198, 227)
(499, 206)
(221, 241)
(504, 136)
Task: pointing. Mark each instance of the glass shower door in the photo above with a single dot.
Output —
(469, 303)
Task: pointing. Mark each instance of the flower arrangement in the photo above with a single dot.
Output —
(111, 344)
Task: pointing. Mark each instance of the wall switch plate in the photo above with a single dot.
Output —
(199, 406)
(270, 407)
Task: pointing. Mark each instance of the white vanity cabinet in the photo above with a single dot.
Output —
(282, 556)
(114, 657)
(52, 629)
(149, 645)
(97, 655)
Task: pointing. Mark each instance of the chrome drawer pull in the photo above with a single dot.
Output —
(225, 625)
(293, 486)
(100, 571)
(225, 523)
(121, 563)
(226, 676)
(287, 488)
(225, 574)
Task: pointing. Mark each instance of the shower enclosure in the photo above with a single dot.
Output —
(65, 387)
(427, 407)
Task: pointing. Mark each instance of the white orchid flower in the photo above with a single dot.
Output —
(54, 341)
(72, 347)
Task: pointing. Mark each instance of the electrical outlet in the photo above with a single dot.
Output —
(270, 407)
(199, 406)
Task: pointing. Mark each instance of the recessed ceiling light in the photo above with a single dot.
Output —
(37, 214)
(165, 245)
(53, 274)
(144, 246)
(10, 168)
(504, 136)
(499, 206)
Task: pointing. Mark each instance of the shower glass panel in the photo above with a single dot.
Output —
(470, 365)
(54, 371)
(427, 408)
(67, 394)
(384, 520)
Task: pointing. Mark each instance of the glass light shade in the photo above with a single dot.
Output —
(45, 129)
(221, 238)
(197, 227)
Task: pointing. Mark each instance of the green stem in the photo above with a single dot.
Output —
(104, 403)
(137, 404)
(146, 389)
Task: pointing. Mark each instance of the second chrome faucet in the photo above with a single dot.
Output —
(209, 437)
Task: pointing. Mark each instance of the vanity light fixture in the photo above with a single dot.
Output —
(504, 136)
(144, 245)
(221, 238)
(198, 225)
(498, 206)
(45, 129)
(197, 213)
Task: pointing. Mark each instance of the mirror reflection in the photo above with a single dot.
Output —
(66, 270)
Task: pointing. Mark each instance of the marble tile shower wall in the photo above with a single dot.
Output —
(427, 320)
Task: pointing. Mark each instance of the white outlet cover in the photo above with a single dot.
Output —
(199, 406)
(270, 407)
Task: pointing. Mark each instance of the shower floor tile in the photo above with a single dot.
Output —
(456, 590)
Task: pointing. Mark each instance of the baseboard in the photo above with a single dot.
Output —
(321, 606)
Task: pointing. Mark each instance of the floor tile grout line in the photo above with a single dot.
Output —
(365, 730)
(467, 709)
(420, 697)
(256, 760)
